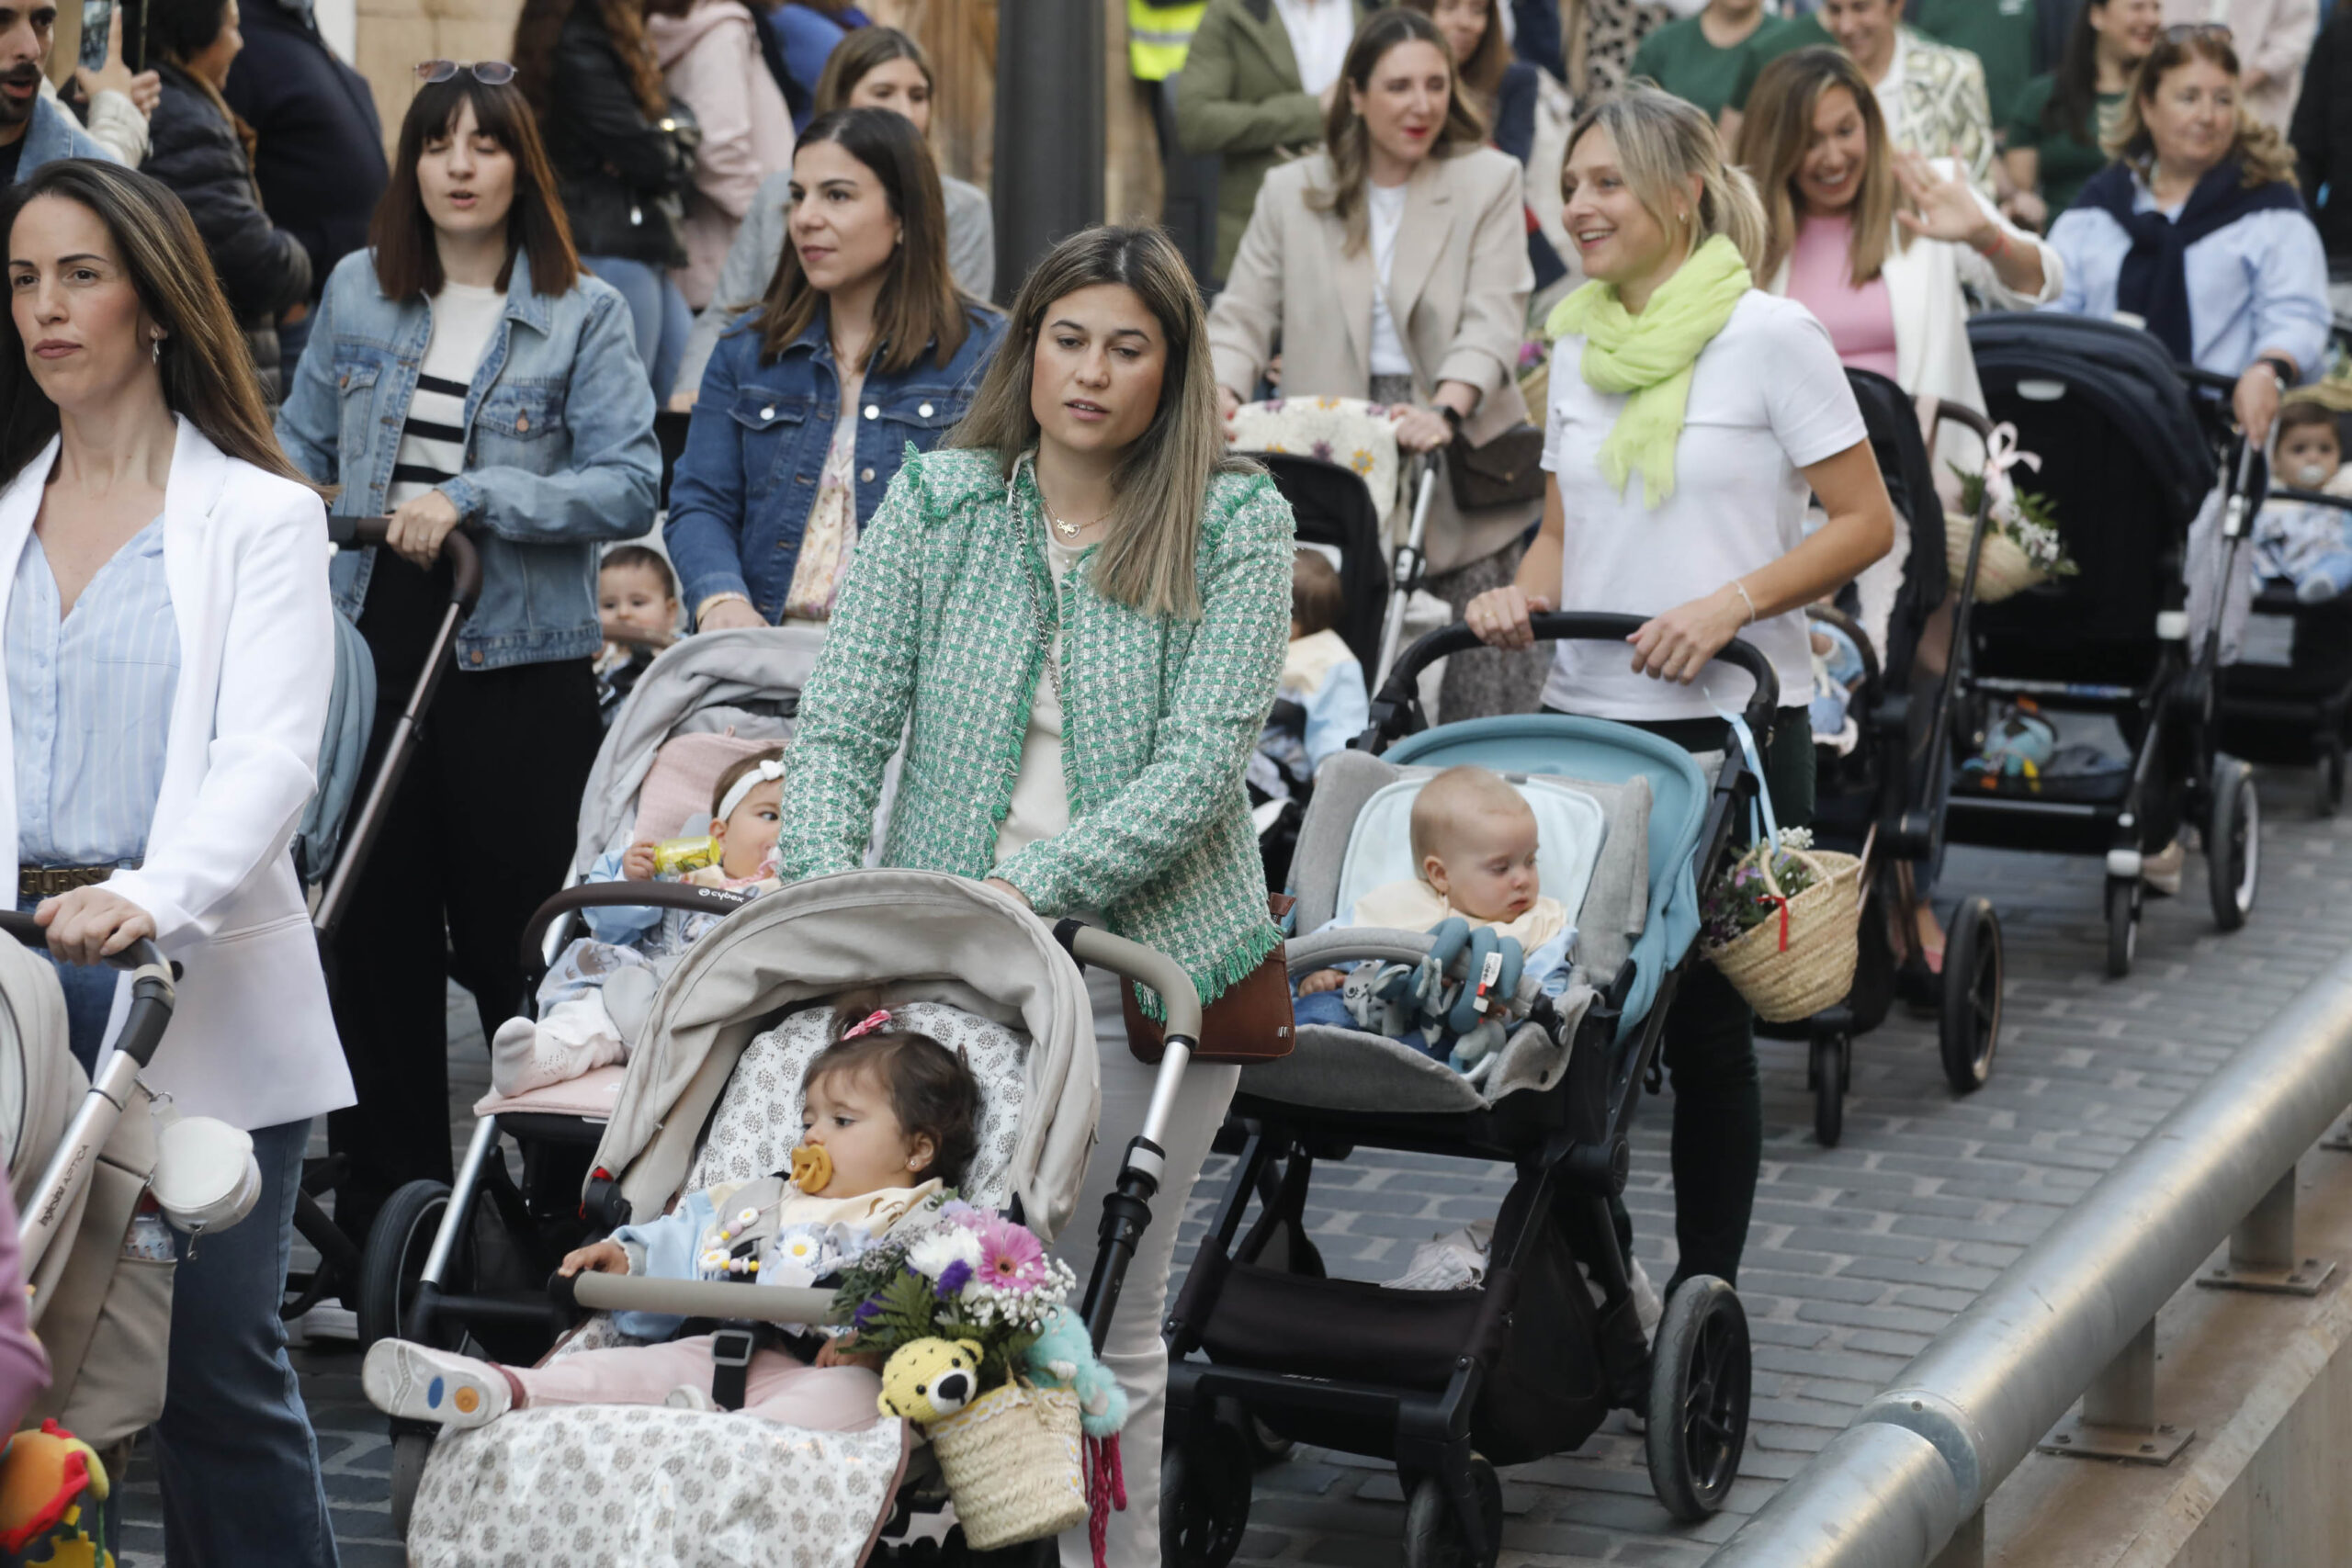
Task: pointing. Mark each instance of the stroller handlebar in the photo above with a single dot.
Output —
(624, 896)
(1555, 626)
(465, 559)
(151, 996)
(721, 1299)
(1092, 945)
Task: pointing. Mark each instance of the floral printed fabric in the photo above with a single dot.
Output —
(652, 1487)
(1351, 432)
(829, 537)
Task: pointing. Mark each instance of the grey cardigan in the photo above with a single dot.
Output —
(759, 244)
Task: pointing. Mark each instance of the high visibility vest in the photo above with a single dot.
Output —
(1159, 35)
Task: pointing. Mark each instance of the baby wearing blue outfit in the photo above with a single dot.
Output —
(1474, 841)
(1320, 702)
(2307, 545)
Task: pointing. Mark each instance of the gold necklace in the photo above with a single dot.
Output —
(1065, 532)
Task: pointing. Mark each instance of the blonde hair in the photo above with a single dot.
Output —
(2263, 155)
(1347, 140)
(1453, 794)
(1148, 558)
(1775, 136)
(1662, 144)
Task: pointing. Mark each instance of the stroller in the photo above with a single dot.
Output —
(480, 1247)
(1884, 801)
(2296, 713)
(1452, 1382)
(2126, 454)
(716, 1095)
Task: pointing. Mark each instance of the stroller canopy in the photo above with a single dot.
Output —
(925, 936)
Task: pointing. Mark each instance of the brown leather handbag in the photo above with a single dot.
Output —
(1508, 471)
(1251, 1022)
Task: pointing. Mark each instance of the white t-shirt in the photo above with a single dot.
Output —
(1768, 398)
(1040, 804)
(1320, 31)
(1384, 205)
(433, 439)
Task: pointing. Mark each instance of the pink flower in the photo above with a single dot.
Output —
(1009, 1254)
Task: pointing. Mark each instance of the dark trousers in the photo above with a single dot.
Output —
(1710, 1047)
(479, 835)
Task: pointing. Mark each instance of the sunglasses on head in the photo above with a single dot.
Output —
(489, 73)
(2187, 30)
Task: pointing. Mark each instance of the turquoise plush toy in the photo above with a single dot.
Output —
(1064, 1356)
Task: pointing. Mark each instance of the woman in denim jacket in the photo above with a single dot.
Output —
(862, 349)
(465, 371)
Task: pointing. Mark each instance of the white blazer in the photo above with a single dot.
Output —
(1933, 357)
(252, 1040)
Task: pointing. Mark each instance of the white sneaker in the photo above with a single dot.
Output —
(2161, 870)
(1647, 1307)
(690, 1396)
(424, 1384)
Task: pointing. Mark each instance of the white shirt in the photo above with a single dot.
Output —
(1385, 205)
(1768, 398)
(1889, 92)
(432, 438)
(1320, 31)
(1040, 804)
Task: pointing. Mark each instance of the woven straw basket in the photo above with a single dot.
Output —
(1816, 968)
(2001, 571)
(1012, 1463)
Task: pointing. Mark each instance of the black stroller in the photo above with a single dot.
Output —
(1451, 1382)
(2127, 455)
(1883, 800)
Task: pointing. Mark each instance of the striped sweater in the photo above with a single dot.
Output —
(937, 621)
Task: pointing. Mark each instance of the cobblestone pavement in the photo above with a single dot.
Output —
(1858, 1254)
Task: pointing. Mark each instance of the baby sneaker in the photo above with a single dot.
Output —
(424, 1384)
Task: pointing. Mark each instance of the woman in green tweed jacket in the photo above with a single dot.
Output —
(1081, 602)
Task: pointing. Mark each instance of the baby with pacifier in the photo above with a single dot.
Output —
(889, 1119)
(575, 1032)
(1475, 842)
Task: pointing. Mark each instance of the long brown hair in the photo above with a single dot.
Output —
(207, 372)
(541, 23)
(1483, 71)
(859, 53)
(2260, 151)
(1347, 140)
(1146, 562)
(919, 306)
(1776, 134)
(408, 260)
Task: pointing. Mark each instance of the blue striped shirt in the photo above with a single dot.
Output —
(90, 702)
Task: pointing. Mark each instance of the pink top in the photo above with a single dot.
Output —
(24, 1367)
(1861, 321)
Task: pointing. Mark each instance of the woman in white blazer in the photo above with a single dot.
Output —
(1394, 267)
(1879, 243)
(168, 645)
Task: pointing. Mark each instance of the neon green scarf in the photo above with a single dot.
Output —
(1650, 355)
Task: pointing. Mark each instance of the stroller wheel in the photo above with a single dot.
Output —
(394, 1261)
(2234, 842)
(1832, 1057)
(1435, 1534)
(409, 1450)
(2328, 796)
(1971, 1025)
(2123, 925)
(1698, 1404)
(1204, 1498)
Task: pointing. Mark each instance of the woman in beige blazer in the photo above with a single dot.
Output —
(1394, 267)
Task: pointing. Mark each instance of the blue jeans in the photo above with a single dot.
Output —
(662, 316)
(234, 1427)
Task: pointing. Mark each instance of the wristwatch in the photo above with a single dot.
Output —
(2282, 367)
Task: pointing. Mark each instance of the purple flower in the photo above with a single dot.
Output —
(952, 1278)
(867, 1310)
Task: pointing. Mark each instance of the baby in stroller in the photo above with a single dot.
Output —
(575, 1032)
(2299, 542)
(1474, 841)
(890, 1124)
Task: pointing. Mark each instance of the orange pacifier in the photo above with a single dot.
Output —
(813, 1169)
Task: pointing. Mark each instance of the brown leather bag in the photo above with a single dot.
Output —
(1508, 471)
(1251, 1022)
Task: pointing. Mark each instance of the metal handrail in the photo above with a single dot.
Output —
(1918, 1463)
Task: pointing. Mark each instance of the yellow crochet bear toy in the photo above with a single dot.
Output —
(929, 1379)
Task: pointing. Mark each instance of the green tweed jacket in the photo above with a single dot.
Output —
(938, 621)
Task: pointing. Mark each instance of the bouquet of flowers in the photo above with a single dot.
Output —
(1739, 901)
(1781, 924)
(967, 1275)
(2022, 546)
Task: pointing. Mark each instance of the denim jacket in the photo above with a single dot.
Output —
(757, 444)
(55, 133)
(560, 448)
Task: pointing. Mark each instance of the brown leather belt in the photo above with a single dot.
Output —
(48, 881)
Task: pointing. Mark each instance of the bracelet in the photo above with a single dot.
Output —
(719, 598)
(1741, 588)
(2281, 366)
(2000, 243)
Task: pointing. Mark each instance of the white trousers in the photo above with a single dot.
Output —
(1134, 1350)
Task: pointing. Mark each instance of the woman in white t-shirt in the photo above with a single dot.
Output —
(1680, 458)
(1394, 265)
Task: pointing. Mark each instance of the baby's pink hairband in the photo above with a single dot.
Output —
(869, 1024)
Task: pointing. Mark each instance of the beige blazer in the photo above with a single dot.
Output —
(1457, 286)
